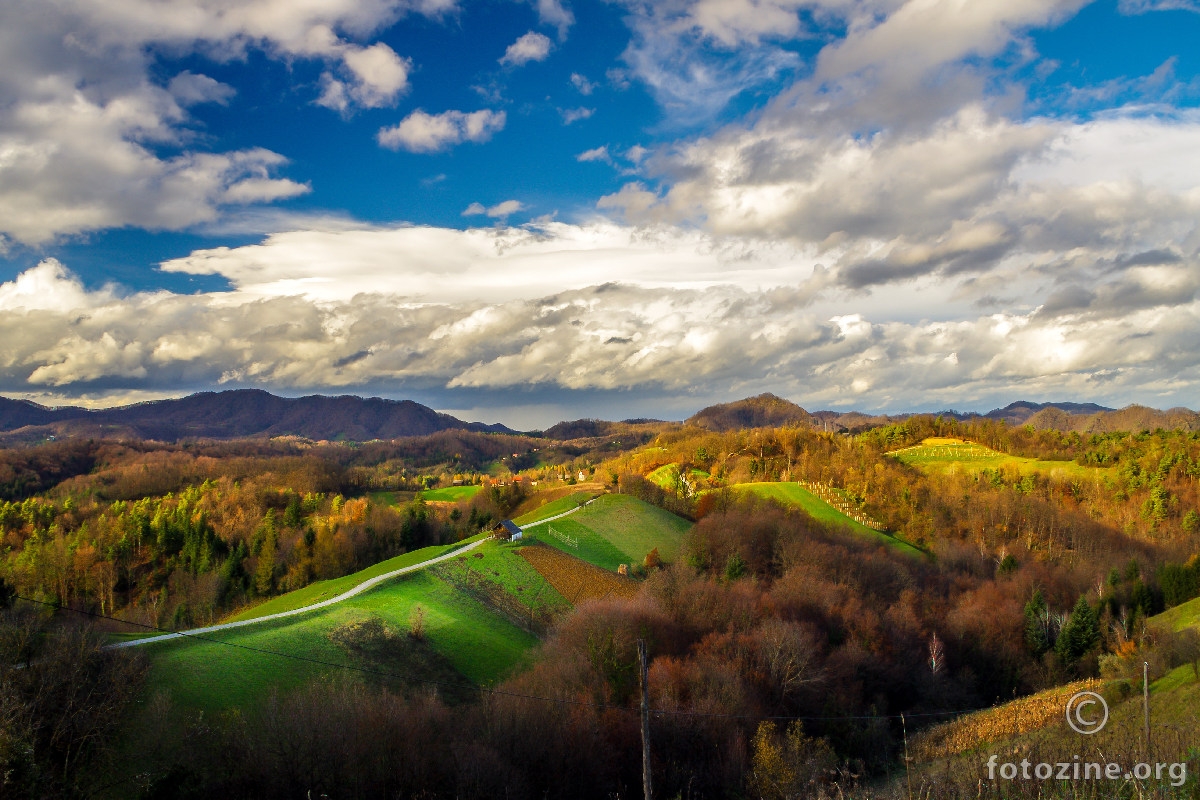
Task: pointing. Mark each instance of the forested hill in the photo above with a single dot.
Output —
(765, 410)
(1059, 416)
(239, 413)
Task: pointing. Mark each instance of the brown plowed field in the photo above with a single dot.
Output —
(574, 579)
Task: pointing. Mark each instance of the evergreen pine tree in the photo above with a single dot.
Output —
(292, 515)
(1037, 638)
(735, 567)
(1080, 634)
(264, 576)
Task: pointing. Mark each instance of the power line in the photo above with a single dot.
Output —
(560, 701)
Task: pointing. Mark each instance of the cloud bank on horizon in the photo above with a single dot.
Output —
(874, 204)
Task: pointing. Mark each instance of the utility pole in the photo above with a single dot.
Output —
(1146, 702)
(645, 721)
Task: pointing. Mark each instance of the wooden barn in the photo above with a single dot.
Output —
(508, 530)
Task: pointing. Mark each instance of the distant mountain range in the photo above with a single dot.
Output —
(255, 413)
(767, 410)
(235, 414)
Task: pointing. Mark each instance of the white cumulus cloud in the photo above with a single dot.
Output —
(553, 12)
(374, 77)
(421, 132)
(533, 46)
(579, 309)
(89, 139)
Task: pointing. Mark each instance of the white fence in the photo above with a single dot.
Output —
(568, 540)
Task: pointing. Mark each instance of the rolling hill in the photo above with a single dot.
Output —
(239, 413)
(763, 411)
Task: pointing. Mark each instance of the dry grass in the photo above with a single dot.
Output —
(574, 579)
(1026, 715)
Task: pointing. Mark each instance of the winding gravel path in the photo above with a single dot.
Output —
(359, 589)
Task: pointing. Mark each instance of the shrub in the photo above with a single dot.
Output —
(652, 560)
(416, 624)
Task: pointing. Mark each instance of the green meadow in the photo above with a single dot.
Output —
(796, 495)
(239, 667)
(323, 590)
(499, 565)
(1184, 615)
(615, 529)
(555, 507)
(664, 476)
(941, 456)
(450, 494)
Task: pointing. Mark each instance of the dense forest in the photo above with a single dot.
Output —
(1025, 579)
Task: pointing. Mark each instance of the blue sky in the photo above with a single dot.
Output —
(528, 211)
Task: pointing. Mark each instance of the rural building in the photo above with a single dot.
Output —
(509, 530)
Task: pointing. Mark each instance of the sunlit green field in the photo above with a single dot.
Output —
(450, 494)
(323, 590)
(941, 456)
(555, 507)
(1184, 615)
(236, 671)
(499, 564)
(664, 476)
(796, 495)
(616, 529)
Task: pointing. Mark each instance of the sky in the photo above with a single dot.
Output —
(532, 210)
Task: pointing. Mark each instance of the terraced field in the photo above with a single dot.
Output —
(942, 455)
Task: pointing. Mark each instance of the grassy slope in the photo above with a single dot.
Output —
(450, 494)
(390, 498)
(1175, 723)
(1185, 615)
(590, 546)
(323, 590)
(663, 478)
(1174, 711)
(204, 674)
(500, 564)
(954, 455)
(558, 506)
(797, 495)
(617, 529)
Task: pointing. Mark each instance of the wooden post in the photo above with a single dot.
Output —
(1146, 702)
(645, 721)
